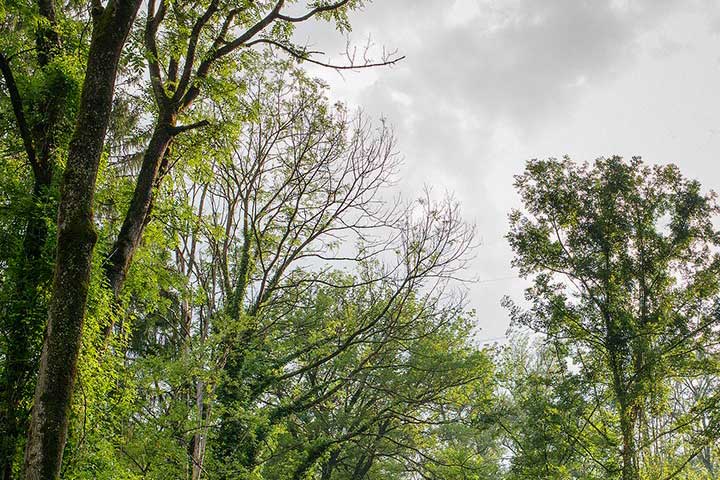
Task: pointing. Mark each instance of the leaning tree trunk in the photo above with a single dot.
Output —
(136, 217)
(76, 241)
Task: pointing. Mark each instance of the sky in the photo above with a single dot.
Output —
(487, 85)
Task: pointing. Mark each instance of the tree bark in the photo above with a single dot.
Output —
(199, 441)
(135, 220)
(629, 455)
(76, 240)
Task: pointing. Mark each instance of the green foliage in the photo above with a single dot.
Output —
(281, 320)
(626, 275)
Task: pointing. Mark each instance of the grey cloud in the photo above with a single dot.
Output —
(512, 60)
(475, 68)
(535, 61)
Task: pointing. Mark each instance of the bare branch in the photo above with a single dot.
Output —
(305, 56)
(228, 48)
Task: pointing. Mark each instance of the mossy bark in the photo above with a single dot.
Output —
(76, 241)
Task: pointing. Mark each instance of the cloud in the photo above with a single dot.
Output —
(517, 62)
(484, 80)
(512, 61)
(474, 67)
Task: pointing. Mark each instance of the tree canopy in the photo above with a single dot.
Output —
(625, 264)
(206, 272)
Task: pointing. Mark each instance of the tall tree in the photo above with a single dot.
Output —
(186, 44)
(186, 41)
(75, 243)
(41, 85)
(626, 276)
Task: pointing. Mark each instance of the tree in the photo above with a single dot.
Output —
(409, 394)
(550, 427)
(193, 39)
(626, 277)
(75, 243)
(42, 86)
(184, 44)
(245, 324)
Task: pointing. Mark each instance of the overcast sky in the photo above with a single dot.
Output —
(487, 85)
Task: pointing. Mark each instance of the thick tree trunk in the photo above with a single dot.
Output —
(135, 220)
(76, 241)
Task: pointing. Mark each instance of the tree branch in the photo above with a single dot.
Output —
(151, 27)
(314, 12)
(228, 48)
(16, 101)
(305, 56)
(184, 128)
(192, 46)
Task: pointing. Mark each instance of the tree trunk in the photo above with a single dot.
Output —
(136, 218)
(26, 310)
(204, 408)
(76, 240)
(200, 438)
(630, 469)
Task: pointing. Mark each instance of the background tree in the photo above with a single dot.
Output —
(550, 427)
(625, 270)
